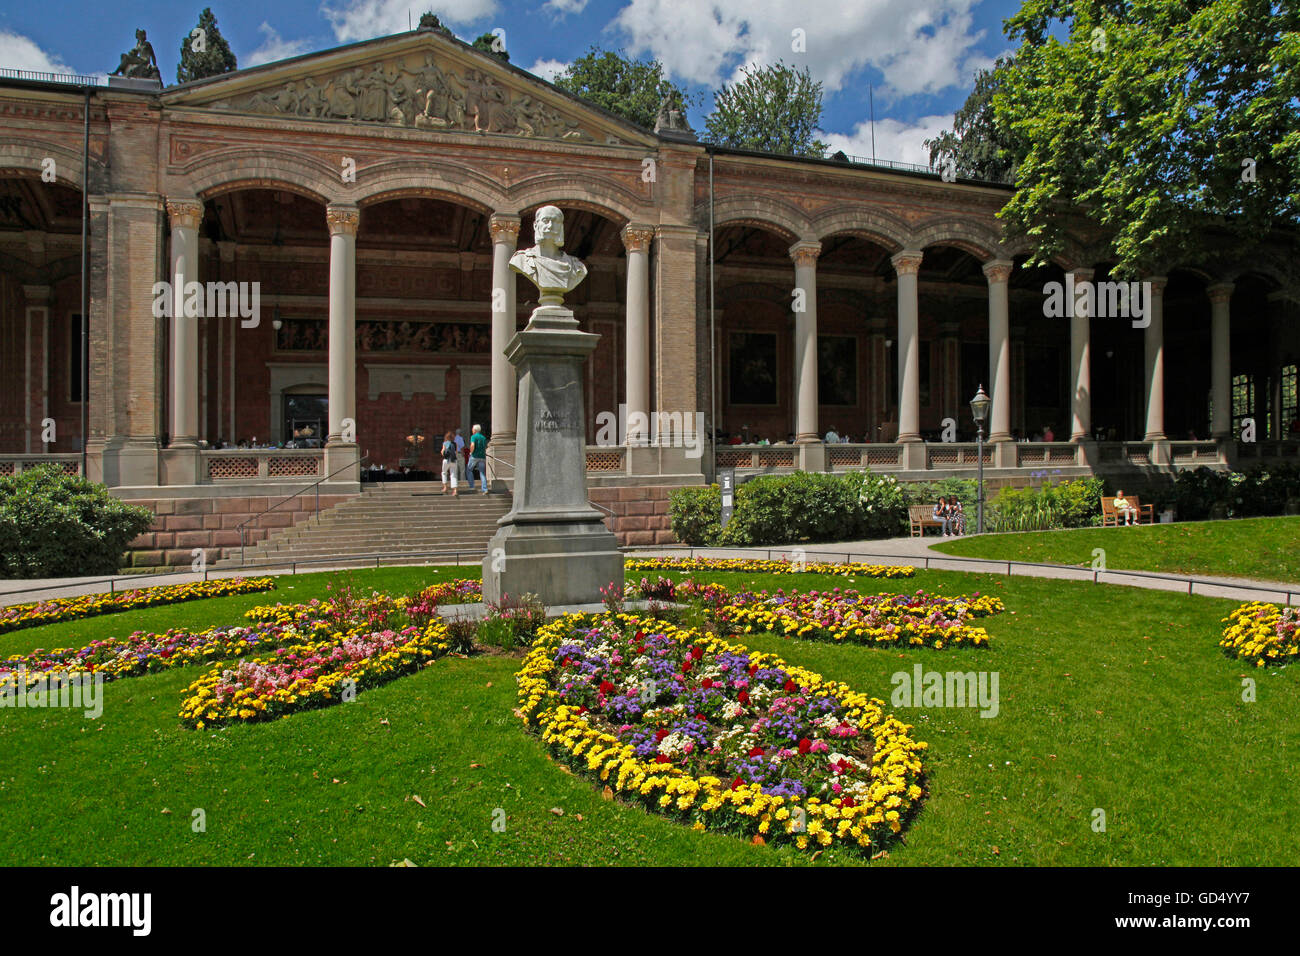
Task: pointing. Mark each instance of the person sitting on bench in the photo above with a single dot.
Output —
(1125, 513)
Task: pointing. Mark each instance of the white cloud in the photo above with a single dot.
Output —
(923, 48)
(18, 52)
(274, 47)
(895, 140)
(564, 7)
(547, 69)
(363, 19)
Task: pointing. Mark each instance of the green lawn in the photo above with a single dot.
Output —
(1265, 549)
(1110, 698)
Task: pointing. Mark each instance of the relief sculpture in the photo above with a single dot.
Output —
(423, 96)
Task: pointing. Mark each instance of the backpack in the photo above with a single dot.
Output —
(448, 451)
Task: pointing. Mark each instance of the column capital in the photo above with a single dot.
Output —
(998, 270)
(184, 213)
(805, 252)
(1157, 283)
(503, 227)
(907, 262)
(342, 218)
(1083, 273)
(637, 236)
(37, 294)
(1220, 291)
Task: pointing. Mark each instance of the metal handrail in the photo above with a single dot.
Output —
(315, 484)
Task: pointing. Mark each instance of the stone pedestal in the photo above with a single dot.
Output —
(552, 543)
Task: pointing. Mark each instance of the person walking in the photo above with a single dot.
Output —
(477, 458)
(449, 457)
(462, 454)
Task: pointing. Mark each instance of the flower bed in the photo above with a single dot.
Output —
(145, 653)
(713, 734)
(19, 616)
(769, 567)
(352, 645)
(837, 615)
(1262, 633)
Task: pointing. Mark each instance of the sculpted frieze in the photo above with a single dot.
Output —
(415, 92)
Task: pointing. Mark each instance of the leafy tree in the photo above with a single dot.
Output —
(775, 109)
(1159, 118)
(428, 21)
(977, 147)
(204, 54)
(490, 44)
(630, 88)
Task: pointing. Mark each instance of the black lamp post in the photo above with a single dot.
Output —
(979, 408)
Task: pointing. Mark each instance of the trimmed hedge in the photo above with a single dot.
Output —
(53, 524)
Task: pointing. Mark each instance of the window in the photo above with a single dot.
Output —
(1290, 405)
(1243, 400)
(305, 419)
(78, 373)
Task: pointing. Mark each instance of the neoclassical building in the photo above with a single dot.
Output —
(361, 205)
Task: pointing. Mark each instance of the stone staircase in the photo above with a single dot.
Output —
(392, 520)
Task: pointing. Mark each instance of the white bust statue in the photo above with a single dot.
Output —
(553, 272)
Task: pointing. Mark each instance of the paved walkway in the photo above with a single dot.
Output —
(914, 551)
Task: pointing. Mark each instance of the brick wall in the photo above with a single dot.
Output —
(182, 524)
(640, 513)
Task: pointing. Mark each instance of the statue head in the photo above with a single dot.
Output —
(139, 36)
(548, 224)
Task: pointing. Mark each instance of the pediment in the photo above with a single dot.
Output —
(422, 81)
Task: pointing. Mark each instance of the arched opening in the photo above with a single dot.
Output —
(1041, 375)
(42, 374)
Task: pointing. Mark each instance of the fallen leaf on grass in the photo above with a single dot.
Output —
(557, 811)
(416, 798)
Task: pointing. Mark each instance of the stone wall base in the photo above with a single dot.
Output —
(640, 513)
(183, 524)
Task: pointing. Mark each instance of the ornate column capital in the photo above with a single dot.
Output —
(998, 270)
(1083, 274)
(805, 252)
(1220, 291)
(503, 227)
(907, 262)
(184, 213)
(1157, 283)
(637, 237)
(342, 218)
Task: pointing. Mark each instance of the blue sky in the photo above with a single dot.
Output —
(917, 55)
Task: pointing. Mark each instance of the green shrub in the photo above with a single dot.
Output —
(1075, 503)
(695, 514)
(803, 506)
(882, 505)
(53, 524)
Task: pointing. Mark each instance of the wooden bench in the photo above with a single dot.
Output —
(921, 517)
(1110, 518)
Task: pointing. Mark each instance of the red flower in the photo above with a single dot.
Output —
(640, 636)
(753, 669)
(697, 652)
(847, 802)
(707, 683)
(788, 685)
(805, 745)
(606, 687)
(686, 666)
(660, 758)
(756, 751)
(565, 662)
(736, 783)
(743, 696)
(660, 734)
(582, 710)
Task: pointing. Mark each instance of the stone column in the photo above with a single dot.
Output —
(1154, 337)
(184, 216)
(505, 234)
(36, 396)
(636, 240)
(907, 264)
(1081, 363)
(804, 254)
(341, 448)
(998, 272)
(1221, 358)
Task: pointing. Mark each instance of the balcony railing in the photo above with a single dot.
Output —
(261, 464)
(17, 464)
